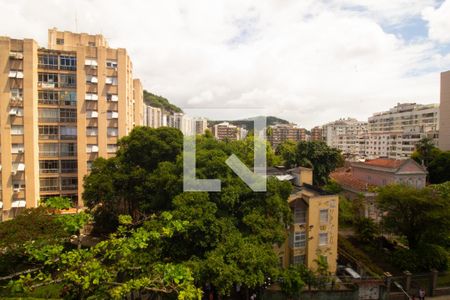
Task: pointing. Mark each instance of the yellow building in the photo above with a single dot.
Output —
(61, 108)
(314, 231)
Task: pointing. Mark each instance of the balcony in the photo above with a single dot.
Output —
(16, 101)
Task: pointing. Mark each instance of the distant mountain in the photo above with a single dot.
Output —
(161, 102)
(249, 122)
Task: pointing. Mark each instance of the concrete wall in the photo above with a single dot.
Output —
(444, 115)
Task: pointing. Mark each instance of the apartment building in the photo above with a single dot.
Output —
(314, 231)
(227, 131)
(61, 107)
(444, 127)
(279, 133)
(316, 134)
(348, 135)
(394, 133)
(201, 124)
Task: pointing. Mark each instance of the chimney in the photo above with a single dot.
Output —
(305, 175)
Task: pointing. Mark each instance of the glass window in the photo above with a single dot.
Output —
(91, 131)
(16, 93)
(111, 64)
(48, 61)
(48, 97)
(69, 183)
(60, 41)
(16, 129)
(91, 148)
(112, 131)
(67, 80)
(68, 115)
(299, 239)
(112, 148)
(68, 132)
(49, 166)
(111, 80)
(299, 260)
(48, 132)
(17, 148)
(49, 184)
(69, 166)
(68, 149)
(299, 215)
(48, 149)
(68, 98)
(68, 62)
(324, 216)
(323, 239)
(48, 80)
(48, 115)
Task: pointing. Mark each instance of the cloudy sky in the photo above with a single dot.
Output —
(308, 61)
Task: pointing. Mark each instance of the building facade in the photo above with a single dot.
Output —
(314, 232)
(226, 131)
(395, 133)
(444, 127)
(348, 135)
(316, 134)
(61, 107)
(285, 132)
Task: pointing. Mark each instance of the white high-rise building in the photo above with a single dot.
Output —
(348, 135)
(395, 133)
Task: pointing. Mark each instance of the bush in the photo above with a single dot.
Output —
(366, 230)
(422, 259)
(405, 259)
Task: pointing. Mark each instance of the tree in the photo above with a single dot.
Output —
(439, 168)
(366, 229)
(425, 151)
(421, 215)
(320, 157)
(58, 203)
(288, 151)
(229, 236)
(292, 282)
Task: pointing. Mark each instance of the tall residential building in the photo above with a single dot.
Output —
(444, 127)
(226, 131)
(394, 133)
(60, 108)
(348, 135)
(314, 231)
(201, 124)
(316, 134)
(283, 132)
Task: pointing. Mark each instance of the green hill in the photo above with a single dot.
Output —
(248, 123)
(161, 102)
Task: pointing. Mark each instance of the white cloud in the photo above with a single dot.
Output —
(438, 22)
(308, 61)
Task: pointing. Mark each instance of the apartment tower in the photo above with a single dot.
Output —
(60, 109)
(444, 128)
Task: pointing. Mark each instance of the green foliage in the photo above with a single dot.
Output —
(332, 187)
(99, 272)
(425, 151)
(439, 168)
(72, 224)
(161, 102)
(366, 229)
(346, 211)
(422, 259)
(58, 203)
(346, 247)
(292, 281)
(422, 216)
(316, 155)
(288, 151)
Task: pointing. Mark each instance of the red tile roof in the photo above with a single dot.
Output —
(385, 163)
(345, 179)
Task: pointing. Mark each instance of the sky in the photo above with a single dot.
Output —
(308, 61)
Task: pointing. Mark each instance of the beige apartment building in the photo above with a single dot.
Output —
(61, 107)
(314, 232)
(444, 128)
(316, 134)
(227, 131)
(348, 135)
(280, 133)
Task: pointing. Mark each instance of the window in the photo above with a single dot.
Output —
(68, 132)
(111, 64)
(18, 185)
(16, 129)
(48, 97)
(112, 115)
(48, 166)
(48, 61)
(299, 215)
(324, 216)
(90, 96)
(112, 97)
(17, 148)
(59, 41)
(323, 239)
(112, 131)
(48, 132)
(49, 184)
(16, 94)
(67, 115)
(67, 62)
(48, 80)
(111, 80)
(68, 98)
(48, 115)
(69, 166)
(91, 131)
(16, 112)
(67, 80)
(112, 148)
(89, 165)
(299, 259)
(91, 79)
(91, 44)
(299, 239)
(69, 183)
(90, 114)
(68, 149)
(90, 62)
(91, 148)
(48, 150)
